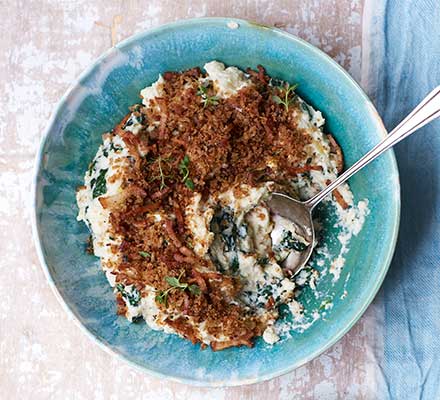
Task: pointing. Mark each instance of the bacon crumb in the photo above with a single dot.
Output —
(216, 346)
(160, 193)
(270, 303)
(198, 279)
(338, 197)
(336, 150)
(170, 230)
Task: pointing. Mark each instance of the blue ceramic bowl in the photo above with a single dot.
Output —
(100, 98)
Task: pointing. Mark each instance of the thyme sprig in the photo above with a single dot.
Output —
(207, 100)
(175, 284)
(162, 176)
(288, 96)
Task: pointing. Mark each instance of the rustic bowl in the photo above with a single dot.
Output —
(100, 98)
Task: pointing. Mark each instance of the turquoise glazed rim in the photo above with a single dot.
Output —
(101, 97)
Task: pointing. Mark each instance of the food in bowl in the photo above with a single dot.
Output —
(175, 202)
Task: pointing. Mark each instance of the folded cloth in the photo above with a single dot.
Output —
(401, 65)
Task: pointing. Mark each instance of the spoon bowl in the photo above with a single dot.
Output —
(299, 213)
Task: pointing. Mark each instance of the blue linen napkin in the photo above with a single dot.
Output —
(403, 46)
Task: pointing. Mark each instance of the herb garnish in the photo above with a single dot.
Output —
(99, 184)
(162, 296)
(288, 96)
(161, 175)
(207, 100)
(133, 296)
(145, 254)
(189, 184)
(184, 171)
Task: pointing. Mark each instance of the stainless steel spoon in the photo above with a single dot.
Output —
(300, 213)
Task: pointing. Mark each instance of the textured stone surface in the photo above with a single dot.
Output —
(44, 45)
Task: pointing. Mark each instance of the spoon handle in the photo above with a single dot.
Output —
(424, 113)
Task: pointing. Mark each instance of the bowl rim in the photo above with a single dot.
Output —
(249, 24)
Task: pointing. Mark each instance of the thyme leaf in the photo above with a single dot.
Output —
(175, 282)
(184, 171)
(189, 184)
(183, 168)
(194, 289)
